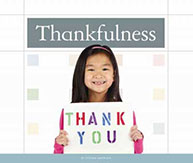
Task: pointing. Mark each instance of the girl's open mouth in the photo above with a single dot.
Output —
(99, 82)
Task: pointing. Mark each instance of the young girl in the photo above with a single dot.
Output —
(96, 79)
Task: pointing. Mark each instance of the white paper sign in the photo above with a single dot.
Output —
(98, 128)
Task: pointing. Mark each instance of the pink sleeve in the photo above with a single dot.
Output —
(58, 149)
(138, 145)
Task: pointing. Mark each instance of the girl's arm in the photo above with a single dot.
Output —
(138, 144)
(59, 149)
(60, 141)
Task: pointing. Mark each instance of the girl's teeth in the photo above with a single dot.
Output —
(98, 82)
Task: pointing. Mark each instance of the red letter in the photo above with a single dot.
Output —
(119, 118)
(80, 118)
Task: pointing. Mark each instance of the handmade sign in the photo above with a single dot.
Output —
(98, 128)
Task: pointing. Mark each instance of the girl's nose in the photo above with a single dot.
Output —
(98, 75)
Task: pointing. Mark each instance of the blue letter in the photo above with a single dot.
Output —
(108, 120)
(81, 136)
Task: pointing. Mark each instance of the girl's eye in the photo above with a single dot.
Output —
(90, 69)
(105, 69)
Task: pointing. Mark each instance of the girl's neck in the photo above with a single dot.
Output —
(96, 97)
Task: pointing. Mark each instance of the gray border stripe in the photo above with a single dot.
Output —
(95, 158)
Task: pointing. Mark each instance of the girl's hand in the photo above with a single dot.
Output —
(135, 134)
(62, 138)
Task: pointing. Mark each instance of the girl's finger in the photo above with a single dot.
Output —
(137, 136)
(65, 142)
(134, 127)
(133, 132)
(62, 132)
(62, 140)
(61, 136)
(65, 139)
(134, 136)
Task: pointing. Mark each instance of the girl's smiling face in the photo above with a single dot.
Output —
(98, 74)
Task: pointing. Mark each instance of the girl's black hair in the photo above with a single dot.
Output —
(79, 89)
